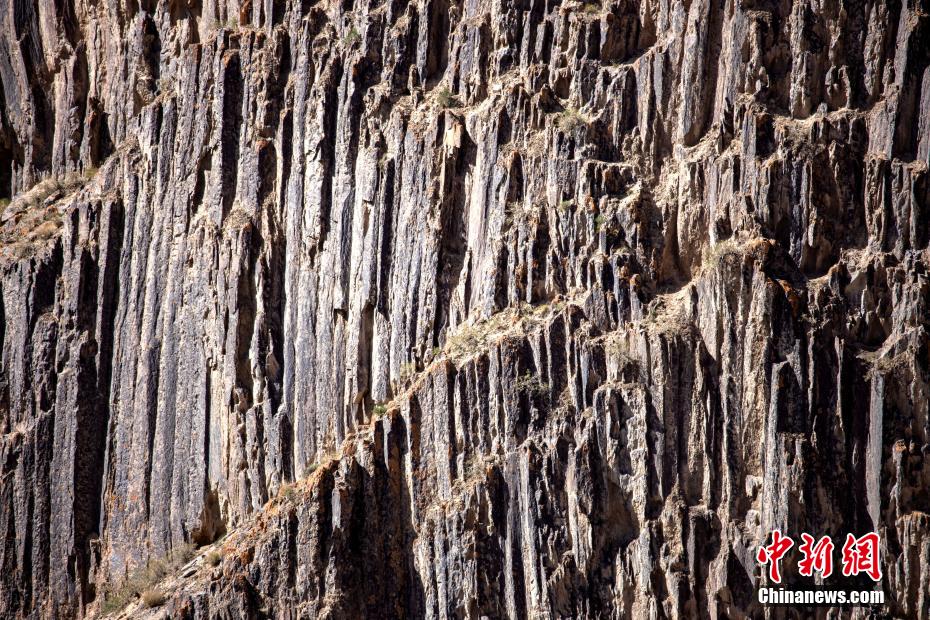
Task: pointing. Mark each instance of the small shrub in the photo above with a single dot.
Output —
(591, 8)
(599, 222)
(566, 204)
(153, 598)
(4, 203)
(570, 119)
(379, 410)
(213, 558)
(352, 37)
(445, 98)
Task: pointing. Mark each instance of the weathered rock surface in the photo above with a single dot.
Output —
(573, 302)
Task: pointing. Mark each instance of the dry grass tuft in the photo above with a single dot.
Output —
(142, 581)
(667, 315)
(571, 119)
(213, 558)
(153, 598)
(32, 218)
(720, 253)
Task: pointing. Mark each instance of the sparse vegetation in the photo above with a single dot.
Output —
(34, 219)
(231, 23)
(58, 184)
(153, 598)
(472, 337)
(328, 455)
(886, 365)
(288, 492)
(379, 410)
(667, 315)
(446, 98)
(532, 386)
(591, 8)
(142, 581)
(720, 252)
(469, 338)
(566, 204)
(213, 558)
(617, 348)
(621, 359)
(352, 37)
(599, 222)
(570, 119)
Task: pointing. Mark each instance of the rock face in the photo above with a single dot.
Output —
(551, 309)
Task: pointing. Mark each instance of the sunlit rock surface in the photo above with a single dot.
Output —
(551, 309)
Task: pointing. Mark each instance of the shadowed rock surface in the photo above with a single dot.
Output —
(550, 309)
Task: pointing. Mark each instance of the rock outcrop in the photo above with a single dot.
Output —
(550, 309)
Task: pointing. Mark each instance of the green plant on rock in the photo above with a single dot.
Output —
(445, 98)
(352, 37)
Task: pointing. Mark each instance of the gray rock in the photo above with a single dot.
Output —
(551, 310)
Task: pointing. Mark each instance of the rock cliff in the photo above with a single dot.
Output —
(460, 308)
